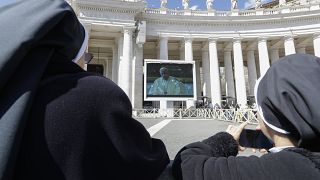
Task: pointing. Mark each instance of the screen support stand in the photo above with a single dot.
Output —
(166, 108)
(190, 103)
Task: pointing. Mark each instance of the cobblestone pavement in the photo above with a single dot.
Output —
(177, 133)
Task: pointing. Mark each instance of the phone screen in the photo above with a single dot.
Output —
(254, 139)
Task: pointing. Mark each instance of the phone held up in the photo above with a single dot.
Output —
(254, 139)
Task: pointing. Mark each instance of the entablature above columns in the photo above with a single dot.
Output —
(245, 29)
(101, 43)
(115, 6)
(225, 36)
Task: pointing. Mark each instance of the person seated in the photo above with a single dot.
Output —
(289, 115)
(57, 121)
(167, 85)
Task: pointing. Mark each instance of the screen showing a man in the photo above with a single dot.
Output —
(167, 85)
(169, 80)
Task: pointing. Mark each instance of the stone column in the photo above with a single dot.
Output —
(252, 71)
(301, 50)
(188, 49)
(263, 56)
(109, 64)
(120, 57)
(189, 57)
(239, 73)
(229, 74)
(115, 64)
(206, 73)
(289, 45)
(198, 85)
(85, 65)
(182, 52)
(214, 73)
(316, 44)
(164, 104)
(164, 48)
(125, 66)
(158, 50)
(106, 67)
(138, 77)
(274, 55)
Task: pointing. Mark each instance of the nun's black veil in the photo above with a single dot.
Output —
(288, 95)
(33, 34)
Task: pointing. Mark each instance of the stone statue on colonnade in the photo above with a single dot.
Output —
(163, 3)
(258, 4)
(185, 4)
(234, 4)
(282, 3)
(209, 4)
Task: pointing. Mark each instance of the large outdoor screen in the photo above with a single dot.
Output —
(169, 80)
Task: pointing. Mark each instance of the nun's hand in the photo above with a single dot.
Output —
(235, 131)
(262, 151)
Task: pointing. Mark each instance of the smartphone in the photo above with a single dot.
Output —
(254, 139)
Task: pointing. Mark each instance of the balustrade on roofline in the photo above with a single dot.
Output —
(254, 12)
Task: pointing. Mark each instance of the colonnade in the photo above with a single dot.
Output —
(128, 58)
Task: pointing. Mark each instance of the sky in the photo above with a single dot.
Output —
(193, 4)
(201, 4)
(4, 2)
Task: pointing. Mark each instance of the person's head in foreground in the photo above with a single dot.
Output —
(58, 121)
(164, 73)
(40, 39)
(288, 102)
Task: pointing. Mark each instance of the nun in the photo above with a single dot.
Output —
(288, 103)
(58, 121)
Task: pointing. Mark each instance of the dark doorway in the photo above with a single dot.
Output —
(97, 68)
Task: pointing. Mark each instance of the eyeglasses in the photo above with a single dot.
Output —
(87, 57)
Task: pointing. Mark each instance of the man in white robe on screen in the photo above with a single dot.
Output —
(167, 85)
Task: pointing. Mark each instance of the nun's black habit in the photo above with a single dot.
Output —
(56, 120)
(288, 98)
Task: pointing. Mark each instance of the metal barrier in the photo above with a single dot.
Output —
(231, 115)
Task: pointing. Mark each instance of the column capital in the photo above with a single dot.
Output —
(188, 39)
(237, 40)
(128, 29)
(205, 46)
(288, 38)
(316, 35)
(262, 39)
(163, 37)
(212, 39)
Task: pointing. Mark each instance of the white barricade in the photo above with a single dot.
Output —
(231, 115)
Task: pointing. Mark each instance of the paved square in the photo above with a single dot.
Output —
(176, 133)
